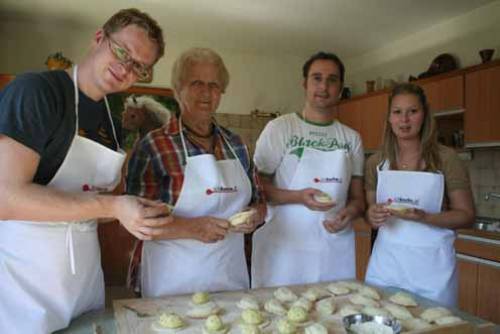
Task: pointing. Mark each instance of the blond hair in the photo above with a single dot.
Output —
(428, 134)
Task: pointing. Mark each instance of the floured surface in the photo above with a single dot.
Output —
(129, 322)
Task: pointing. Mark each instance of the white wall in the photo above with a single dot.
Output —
(462, 36)
(267, 82)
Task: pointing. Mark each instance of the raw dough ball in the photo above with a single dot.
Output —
(200, 298)
(248, 302)
(285, 326)
(326, 306)
(314, 293)
(285, 295)
(252, 317)
(316, 328)
(297, 314)
(171, 321)
(304, 303)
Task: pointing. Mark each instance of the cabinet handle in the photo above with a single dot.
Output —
(478, 260)
(479, 239)
(482, 144)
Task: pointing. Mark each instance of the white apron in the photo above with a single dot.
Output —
(414, 256)
(293, 247)
(50, 272)
(211, 188)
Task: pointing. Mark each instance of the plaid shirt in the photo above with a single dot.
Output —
(156, 167)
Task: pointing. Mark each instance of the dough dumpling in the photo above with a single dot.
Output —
(369, 292)
(274, 306)
(316, 328)
(362, 300)
(297, 314)
(304, 303)
(433, 313)
(325, 306)
(214, 325)
(349, 309)
(323, 198)
(285, 295)
(249, 302)
(338, 289)
(314, 293)
(203, 310)
(352, 285)
(285, 326)
(199, 298)
(403, 298)
(415, 324)
(373, 311)
(450, 319)
(171, 321)
(252, 317)
(241, 217)
(249, 329)
(398, 312)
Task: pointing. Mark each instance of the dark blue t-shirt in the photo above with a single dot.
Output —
(38, 111)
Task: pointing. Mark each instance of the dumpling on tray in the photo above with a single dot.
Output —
(403, 298)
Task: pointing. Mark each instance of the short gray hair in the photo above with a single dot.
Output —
(197, 56)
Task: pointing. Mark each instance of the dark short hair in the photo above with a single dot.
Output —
(126, 17)
(324, 56)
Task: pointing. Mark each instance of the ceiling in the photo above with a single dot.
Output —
(348, 27)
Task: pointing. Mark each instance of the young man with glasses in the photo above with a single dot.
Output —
(59, 155)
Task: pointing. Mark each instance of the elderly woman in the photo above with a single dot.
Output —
(418, 193)
(205, 173)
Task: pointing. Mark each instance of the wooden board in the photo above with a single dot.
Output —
(129, 322)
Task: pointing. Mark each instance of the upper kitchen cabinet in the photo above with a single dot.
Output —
(444, 94)
(482, 103)
(366, 115)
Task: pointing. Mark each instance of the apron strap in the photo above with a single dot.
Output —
(108, 109)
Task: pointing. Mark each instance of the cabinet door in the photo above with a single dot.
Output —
(373, 111)
(467, 286)
(488, 292)
(445, 94)
(350, 114)
(482, 96)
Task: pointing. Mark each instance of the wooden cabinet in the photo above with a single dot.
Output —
(478, 265)
(444, 94)
(363, 239)
(482, 103)
(366, 115)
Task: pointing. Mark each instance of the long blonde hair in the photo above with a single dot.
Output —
(428, 134)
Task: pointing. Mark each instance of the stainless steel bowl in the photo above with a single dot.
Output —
(361, 318)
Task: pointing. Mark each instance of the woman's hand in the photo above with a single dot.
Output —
(377, 214)
(208, 229)
(143, 218)
(256, 219)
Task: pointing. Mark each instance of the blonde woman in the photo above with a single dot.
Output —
(418, 193)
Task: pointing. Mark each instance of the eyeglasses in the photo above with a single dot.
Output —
(142, 71)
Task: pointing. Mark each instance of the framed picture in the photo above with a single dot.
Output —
(116, 102)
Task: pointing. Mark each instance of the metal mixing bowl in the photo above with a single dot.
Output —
(361, 318)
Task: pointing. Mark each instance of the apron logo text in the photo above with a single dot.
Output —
(332, 179)
(404, 200)
(221, 190)
(91, 188)
(323, 144)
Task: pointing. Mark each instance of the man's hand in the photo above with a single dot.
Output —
(256, 219)
(307, 198)
(142, 217)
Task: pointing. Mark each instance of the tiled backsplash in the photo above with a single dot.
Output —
(484, 169)
(247, 126)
